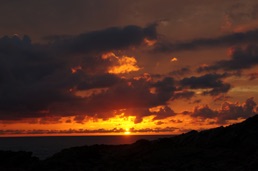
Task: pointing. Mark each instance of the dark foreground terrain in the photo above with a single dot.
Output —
(231, 148)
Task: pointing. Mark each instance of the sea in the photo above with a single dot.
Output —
(45, 146)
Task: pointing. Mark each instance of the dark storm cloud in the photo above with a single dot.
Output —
(221, 97)
(39, 80)
(226, 40)
(208, 81)
(231, 111)
(204, 112)
(124, 95)
(98, 81)
(165, 87)
(79, 118)
(50, 120)
(228, 111)
(36, 80)
(180, 72)
(115, 38)
(241, 58)
(133, 94)
(183, 95)
(24, 71)
(223, 88)
(164, 113)
(161, 113)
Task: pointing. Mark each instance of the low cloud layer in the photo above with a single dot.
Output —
(110, 39)
(170, 130)
(240, 58)
(228, 111)
(233, 39)
(208, 81)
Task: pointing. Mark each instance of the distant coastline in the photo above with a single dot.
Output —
(45, 146)
(88, 134)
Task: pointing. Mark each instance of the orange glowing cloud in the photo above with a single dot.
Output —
(108, 55)
(246, 27)
(174, 59)
(76, 69)
(149, 42)
(145, 76)
(124, 64)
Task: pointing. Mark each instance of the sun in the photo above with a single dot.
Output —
(127, 131)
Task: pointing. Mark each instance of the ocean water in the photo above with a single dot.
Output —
(44, 147)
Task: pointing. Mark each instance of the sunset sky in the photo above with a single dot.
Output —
(115, 66)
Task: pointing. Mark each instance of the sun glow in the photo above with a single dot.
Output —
(127, 131)
(117, 125)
